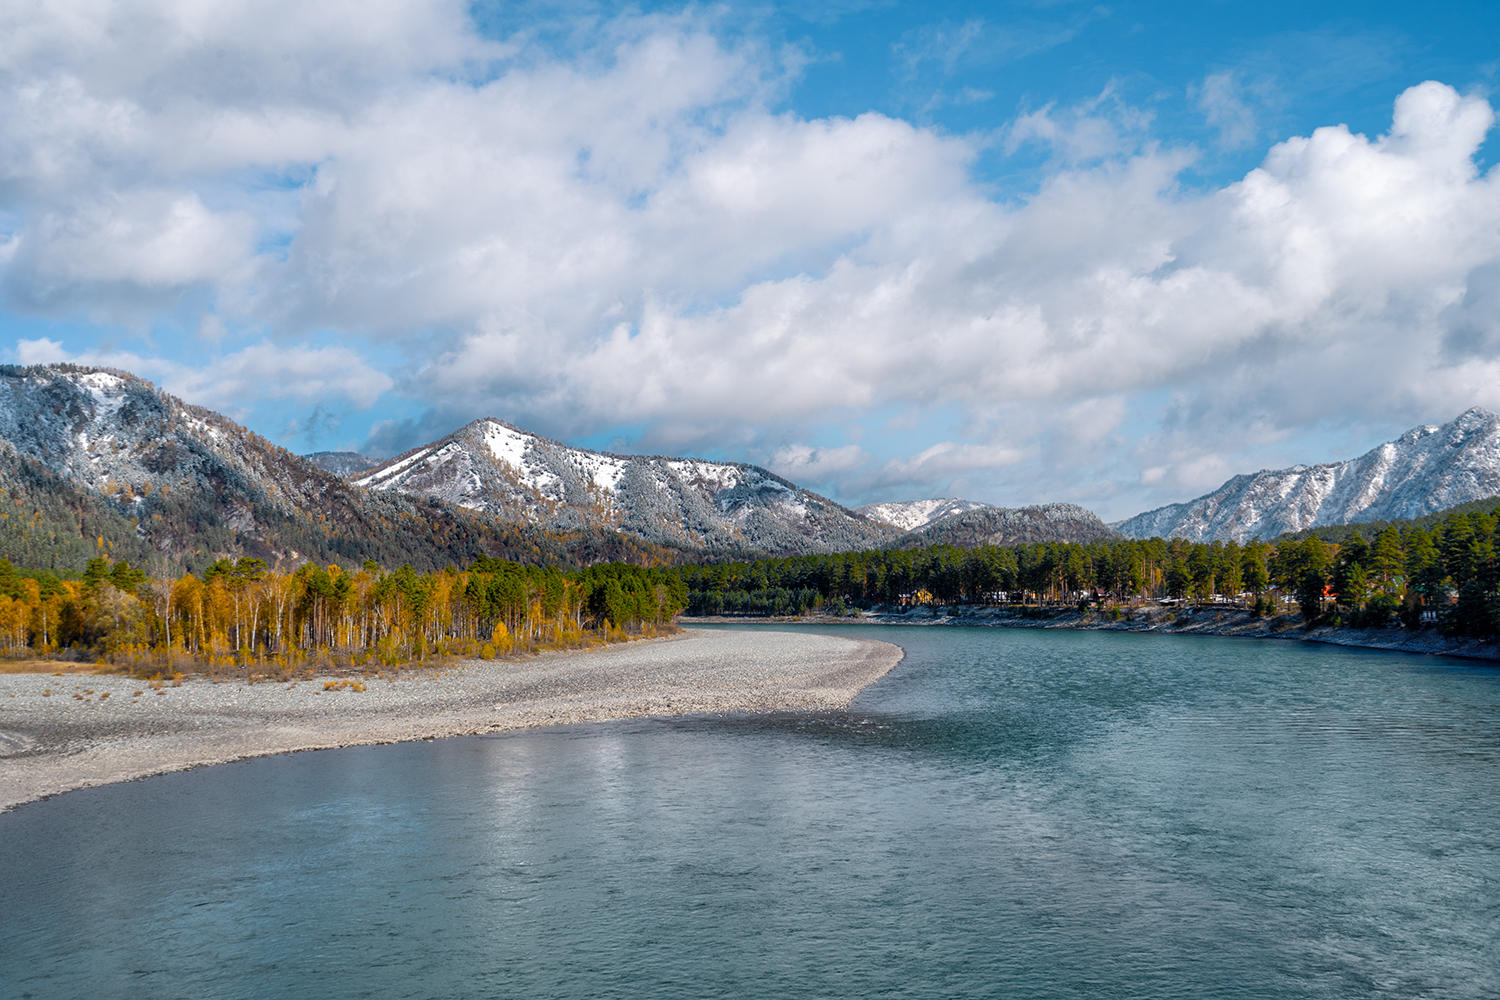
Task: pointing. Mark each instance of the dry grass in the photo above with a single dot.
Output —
(50, 667)
(156, 666)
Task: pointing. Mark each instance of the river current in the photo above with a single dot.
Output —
(1011, 813)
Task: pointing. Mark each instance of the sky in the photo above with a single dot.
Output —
(1109, 254)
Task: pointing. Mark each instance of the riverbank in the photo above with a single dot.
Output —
(1205, 621)
(59, 733)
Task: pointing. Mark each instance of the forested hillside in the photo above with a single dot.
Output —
(96, 462)
(1446, 566)
(724, 509)
(999, 526)
(1428, 469)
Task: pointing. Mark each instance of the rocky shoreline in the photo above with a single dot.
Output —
(64, 731)
(1203, 621)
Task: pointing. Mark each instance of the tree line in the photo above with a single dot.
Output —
(1444, 570)
(241, 612)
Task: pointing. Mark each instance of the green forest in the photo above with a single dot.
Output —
(1440, 570)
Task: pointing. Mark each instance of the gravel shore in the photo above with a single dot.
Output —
(78, 730)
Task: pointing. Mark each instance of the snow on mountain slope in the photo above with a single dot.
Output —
(511, 474)
(116, 435)
(1051, 522)
(909, 515)
(1427, 469)
(100, 457)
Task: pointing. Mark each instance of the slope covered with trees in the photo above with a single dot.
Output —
(999, 526)
(1428, 469)
(1442, 570)
(99, 462)
(725, 509)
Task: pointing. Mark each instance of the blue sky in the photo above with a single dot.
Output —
(1109, 254)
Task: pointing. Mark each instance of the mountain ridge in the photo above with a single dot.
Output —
(1429, 468)
(106, 463)
(998, 526)
(100, 461)
(910, 515)
(719, 507)
(97, 459)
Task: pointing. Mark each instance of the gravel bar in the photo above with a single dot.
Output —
(55, 742)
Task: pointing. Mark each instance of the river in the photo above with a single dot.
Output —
(1010, 813)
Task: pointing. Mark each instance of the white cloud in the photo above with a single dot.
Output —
(1222, 100)
(268, 371)
(808, 464)
(945, 460)
(129, 247)
(260, 371)
(631, 234)
(41, 351)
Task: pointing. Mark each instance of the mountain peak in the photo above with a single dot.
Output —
(108, 464)
(1427, 469)
(909, 515)
(518, 477)
(985, 525)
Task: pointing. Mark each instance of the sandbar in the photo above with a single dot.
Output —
(72, 737)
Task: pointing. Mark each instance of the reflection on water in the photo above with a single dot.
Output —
(1011, 813)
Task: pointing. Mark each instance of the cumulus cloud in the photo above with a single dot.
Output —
(630, 233)
(131, 248)
(269, 371)
(806, 464)
(304, 373)
(42, 351)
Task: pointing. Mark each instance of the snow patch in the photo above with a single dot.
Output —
(507, 445)
(603, 470)
(909, 515)
(723, 477)
(382, 479)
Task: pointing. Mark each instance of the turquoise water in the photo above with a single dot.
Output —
(1012, 813)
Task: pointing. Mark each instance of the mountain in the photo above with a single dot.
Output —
(1425, 470)
(719, 508)
(909, 515)
(1053, 522)
(342, 463)
(95, 460)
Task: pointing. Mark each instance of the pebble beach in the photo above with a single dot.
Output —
(58, 733)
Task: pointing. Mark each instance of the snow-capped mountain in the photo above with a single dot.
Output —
(909, 515)
(99, 460)
(1051, 522)
(101, 457)
(1425, 470)
(115, 435)
(516, 476)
